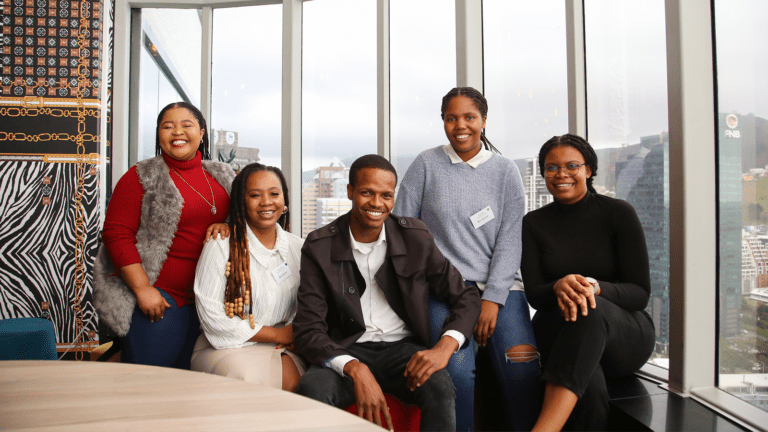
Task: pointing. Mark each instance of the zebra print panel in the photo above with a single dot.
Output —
(37, 244)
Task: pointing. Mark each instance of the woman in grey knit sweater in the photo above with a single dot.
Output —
(472, 200)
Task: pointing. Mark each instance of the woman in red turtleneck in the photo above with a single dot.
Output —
(154, 231)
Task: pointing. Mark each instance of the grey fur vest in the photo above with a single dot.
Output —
(160, 213)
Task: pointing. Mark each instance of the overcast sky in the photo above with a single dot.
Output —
(525, 72)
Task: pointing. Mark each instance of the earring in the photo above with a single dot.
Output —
(285, 209)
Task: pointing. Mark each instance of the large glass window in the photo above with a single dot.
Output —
(247, 85)
(525, 83)
(422, 70)
(742, 68)
(338, 102)
(170, 67)
(627, 124)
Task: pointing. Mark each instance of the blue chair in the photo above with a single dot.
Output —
(27, 339)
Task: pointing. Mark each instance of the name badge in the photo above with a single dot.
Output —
(482, 217)
(282, 272)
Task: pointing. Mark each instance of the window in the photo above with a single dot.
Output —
(422, 70)
(525, 83)
(247, 85)
(170, 67)
(627, 125)
(742, 118)
(338, 102)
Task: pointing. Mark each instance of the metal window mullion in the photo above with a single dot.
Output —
(692, 197)
(469, 44)
(577, 87)
(206, 60)
(131, 154)
(382, 78)
(291, 108)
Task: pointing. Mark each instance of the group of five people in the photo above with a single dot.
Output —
(397, 296)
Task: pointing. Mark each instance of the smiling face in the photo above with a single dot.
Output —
(264, 201)
(567, 189)
(463, 125)
(179, 134)
(373, 197)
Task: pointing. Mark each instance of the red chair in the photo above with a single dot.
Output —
(404, 417)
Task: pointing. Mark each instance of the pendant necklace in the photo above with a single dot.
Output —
(213, 206)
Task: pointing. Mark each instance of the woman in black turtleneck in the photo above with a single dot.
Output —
(585, 269)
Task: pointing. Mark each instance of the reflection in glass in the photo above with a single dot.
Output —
(247, 84)
(627, 124)
(338, 102)
(422, 70)
(742, 68)
(170, 67)
(525, 84)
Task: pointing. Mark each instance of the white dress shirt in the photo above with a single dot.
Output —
(382, 324)
(274, 304)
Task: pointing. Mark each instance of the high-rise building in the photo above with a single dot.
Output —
(329, 183)
(730, 222)
(643, 180)
(536, 193)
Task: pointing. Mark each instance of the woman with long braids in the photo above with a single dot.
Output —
(246, 286)
(585, 266)
(472, 200)
(153, 235)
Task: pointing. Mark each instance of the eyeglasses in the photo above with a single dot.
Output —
(570, 170)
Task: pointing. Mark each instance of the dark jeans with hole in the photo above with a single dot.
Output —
(387, 361)
(519, 380)
(609, 341)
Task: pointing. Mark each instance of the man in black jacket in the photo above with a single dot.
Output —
(363, 314)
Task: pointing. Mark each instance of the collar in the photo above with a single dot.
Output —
(575, 207)
(482, 156)
(261, 254)
(341, 245)
(356, 245)
(180, 165)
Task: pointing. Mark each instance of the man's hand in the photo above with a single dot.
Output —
(486, 324)
(368, 394)
(424, 363)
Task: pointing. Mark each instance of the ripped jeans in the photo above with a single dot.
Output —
(520, 380)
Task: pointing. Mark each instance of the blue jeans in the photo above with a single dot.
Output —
(519, 381)
(167, 342)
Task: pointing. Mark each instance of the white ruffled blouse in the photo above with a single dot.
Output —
(274, 304)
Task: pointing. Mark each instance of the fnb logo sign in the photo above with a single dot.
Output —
(732, 133)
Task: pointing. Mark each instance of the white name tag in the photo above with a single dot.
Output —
(482, 217)
(282, 272)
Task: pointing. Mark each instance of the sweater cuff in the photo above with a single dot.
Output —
(495, 294)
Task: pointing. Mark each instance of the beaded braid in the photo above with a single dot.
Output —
(238, 293)
(480, 103)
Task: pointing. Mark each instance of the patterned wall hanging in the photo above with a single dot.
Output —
(50, 138)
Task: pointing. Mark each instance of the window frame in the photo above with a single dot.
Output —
(692, 150)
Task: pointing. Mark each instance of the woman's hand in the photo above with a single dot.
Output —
(217, 229)
(151, 302)
(486, 324)
(572, 292)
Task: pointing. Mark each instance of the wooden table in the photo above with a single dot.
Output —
(77, 396)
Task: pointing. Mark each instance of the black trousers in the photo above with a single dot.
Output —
(387, 361)
(609, 341)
